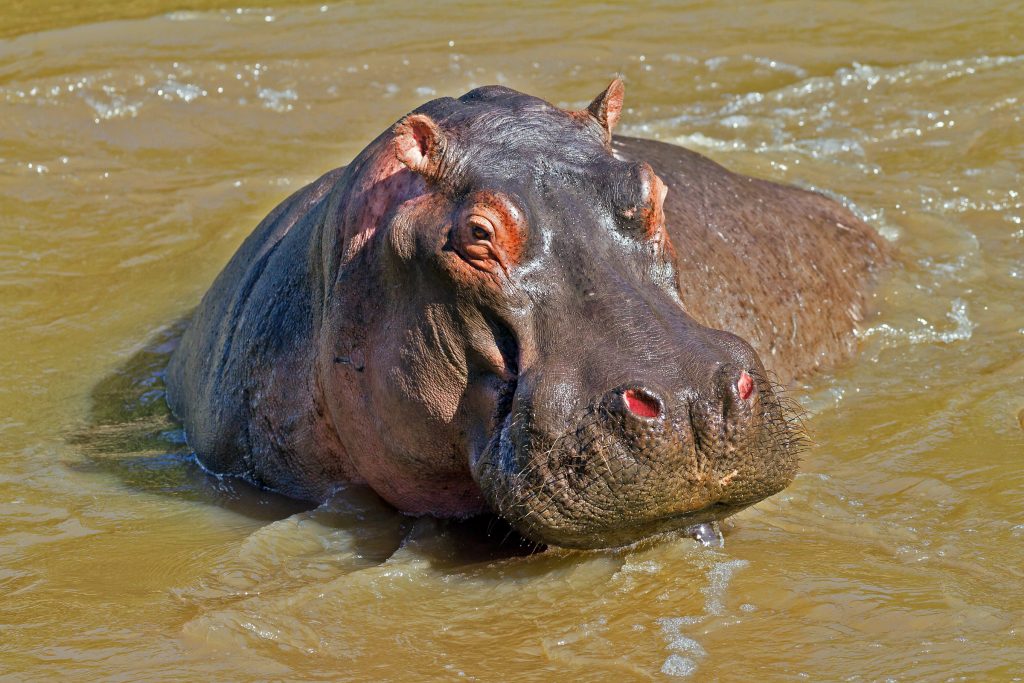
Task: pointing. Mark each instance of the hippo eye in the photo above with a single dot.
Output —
(480, 228)
(484, 234)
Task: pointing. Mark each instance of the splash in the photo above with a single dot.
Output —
(687, 652)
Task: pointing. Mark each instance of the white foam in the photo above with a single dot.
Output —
(671, 628)
(117, 107)
(172, 89)
(278, 100)
(645, 567)
(701, 140)
(185, 15)
(736, 121)
(718, 581)
(686, 651)
(962, 330)
(678, 666)
(776, 65)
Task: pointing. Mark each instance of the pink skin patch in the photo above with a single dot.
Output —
(745, 386)
(642, 404)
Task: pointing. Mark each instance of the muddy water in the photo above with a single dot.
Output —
(140, 142)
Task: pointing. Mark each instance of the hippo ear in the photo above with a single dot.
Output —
(653, 192)
(607, 107)
(418, 144)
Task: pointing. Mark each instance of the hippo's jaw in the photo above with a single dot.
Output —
(616, 477)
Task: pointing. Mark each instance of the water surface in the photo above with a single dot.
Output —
(140, 143)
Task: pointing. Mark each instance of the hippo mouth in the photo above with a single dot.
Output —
(591, 488)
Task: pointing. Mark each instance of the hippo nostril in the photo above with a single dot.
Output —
(744, 386)
(642, 403)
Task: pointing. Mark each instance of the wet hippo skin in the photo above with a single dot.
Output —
(497, 306)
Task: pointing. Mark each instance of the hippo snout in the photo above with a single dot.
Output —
(643, 459)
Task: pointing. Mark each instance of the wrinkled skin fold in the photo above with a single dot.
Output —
(499, 305)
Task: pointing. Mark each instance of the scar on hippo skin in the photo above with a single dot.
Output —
(499, 306)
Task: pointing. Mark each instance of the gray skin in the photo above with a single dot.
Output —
(496, 307)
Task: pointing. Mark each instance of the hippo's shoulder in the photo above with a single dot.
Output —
(238, 339)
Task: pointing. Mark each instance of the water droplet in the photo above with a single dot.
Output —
(708, 534)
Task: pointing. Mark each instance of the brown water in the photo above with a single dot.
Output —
(140, 142)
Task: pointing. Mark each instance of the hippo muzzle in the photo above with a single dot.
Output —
(666, 446)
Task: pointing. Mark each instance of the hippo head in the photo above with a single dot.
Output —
(530, 338)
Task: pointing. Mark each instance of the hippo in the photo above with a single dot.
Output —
(500, 307)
